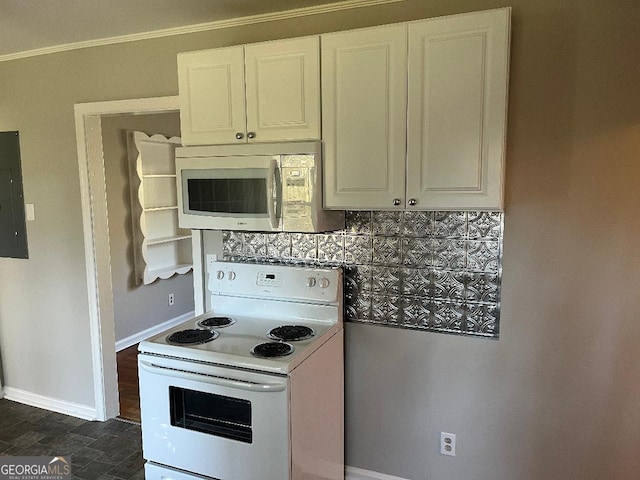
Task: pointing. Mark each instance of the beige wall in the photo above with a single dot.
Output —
(557, 397)
(136, 307)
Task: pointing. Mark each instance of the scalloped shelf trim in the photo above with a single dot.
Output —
(164, 273)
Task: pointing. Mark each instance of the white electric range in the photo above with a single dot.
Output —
(252, 389)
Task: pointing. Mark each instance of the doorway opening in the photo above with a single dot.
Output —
(144, 299)
(128, 391)
(96, 238)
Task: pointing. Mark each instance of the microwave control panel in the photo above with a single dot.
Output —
(297, 176)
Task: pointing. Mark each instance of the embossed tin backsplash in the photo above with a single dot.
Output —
(434, 271)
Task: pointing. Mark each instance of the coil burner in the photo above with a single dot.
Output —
(193, 336)
(216, 322)
(291, 333)
(272, 350)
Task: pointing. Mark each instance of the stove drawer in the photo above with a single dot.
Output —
(160, 472)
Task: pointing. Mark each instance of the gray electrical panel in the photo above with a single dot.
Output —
(13, 230)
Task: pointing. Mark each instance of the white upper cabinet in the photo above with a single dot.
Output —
(283, 89)
(257, 93)
(458, 75)
(212, 98)
(364, 117)
(421, 130)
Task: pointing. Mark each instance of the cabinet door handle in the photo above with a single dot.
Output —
(397, 201)
(251, 135)
(413, 202)
(239, 135)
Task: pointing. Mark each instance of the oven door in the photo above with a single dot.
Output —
(237, 193)
(213, 421)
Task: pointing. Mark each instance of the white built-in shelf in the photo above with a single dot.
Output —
(175, 238)
(161, 209)
(162, 249)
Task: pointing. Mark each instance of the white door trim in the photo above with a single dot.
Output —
(96, 238)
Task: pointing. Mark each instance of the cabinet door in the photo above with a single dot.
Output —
(364, 117)
(212, 101)
(283, 90)
(458, 68)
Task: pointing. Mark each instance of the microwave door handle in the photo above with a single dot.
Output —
(271, 182)
(212, 379)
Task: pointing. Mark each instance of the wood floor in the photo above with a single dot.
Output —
(127, 361)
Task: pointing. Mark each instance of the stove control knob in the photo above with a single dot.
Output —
(219, 274)
(311, 282)
(232, 276)
(324, 283)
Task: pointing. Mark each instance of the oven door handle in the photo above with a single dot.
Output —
(212, 379)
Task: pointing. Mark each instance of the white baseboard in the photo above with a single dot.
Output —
(352, 473)
(149, 332)
(49, 403)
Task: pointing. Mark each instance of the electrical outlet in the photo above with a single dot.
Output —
(448, 444)
(172, 299)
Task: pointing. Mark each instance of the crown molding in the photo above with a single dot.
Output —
(202, 27)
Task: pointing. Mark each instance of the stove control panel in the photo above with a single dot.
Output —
(313, 281)
(275, 281)
(230, 275)
(269, 279)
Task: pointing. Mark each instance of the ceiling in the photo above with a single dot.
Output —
(27, 25)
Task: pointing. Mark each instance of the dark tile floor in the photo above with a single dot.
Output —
(108, 450)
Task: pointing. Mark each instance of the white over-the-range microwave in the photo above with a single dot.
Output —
(259, 187)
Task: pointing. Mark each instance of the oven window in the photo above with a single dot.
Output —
(228, 195)
(213, 414)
